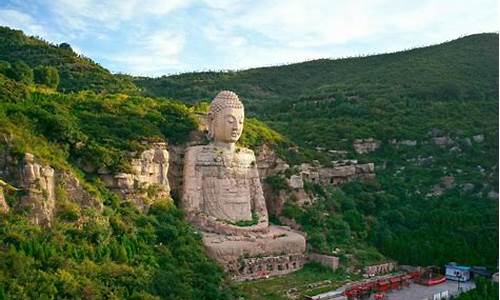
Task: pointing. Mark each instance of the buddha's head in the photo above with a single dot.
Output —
(226, 116)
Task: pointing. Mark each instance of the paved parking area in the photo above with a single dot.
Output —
(421, 292)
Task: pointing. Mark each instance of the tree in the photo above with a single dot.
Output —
(20, 71)
(48, 76)
(4, 67)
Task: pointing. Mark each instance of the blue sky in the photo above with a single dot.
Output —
(154, 38)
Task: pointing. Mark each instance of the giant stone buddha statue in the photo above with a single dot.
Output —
(222, 196)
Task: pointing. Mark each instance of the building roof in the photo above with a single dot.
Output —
(454, 266)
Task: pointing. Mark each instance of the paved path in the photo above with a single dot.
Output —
(421, 292)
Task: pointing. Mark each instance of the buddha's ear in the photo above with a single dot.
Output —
(211, 125)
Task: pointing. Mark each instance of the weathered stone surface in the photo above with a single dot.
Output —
(290, 223)
(295, 182)
(309, 172)
(38, 183)
(268, 162)
(222, 189)
(148, 180)
(76, 192)
(242, 256)
(328, 261)
(341, 172)
(362, 146)
(176, 169)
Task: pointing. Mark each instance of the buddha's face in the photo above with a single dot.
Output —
(228, 125)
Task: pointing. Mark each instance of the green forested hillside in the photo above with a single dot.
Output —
(443, 91)
(116, 253)
(448, 92)
(76, 72)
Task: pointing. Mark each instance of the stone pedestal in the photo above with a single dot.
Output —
(277, 252)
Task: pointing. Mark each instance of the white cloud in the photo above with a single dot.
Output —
(19, 20)
(283, 31)
(150, 55)
(93, 14)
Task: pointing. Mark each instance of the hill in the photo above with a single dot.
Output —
(386, 87)
(76, 71)
(424, 106)
(432, 114)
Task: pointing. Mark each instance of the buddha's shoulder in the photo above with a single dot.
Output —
(245, 152)
(199, 152)
(209, 154)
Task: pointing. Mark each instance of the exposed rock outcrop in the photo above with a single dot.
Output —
(148, 180)
(362, 146)
(268, 162)
(76, 192)
(4, 207)
(39, 186)
(341, 172)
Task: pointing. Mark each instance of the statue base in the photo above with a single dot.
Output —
(276, 252)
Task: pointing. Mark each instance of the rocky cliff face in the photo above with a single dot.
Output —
(37, 181)
(338, 173)
(268, 162)
(148, 180)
